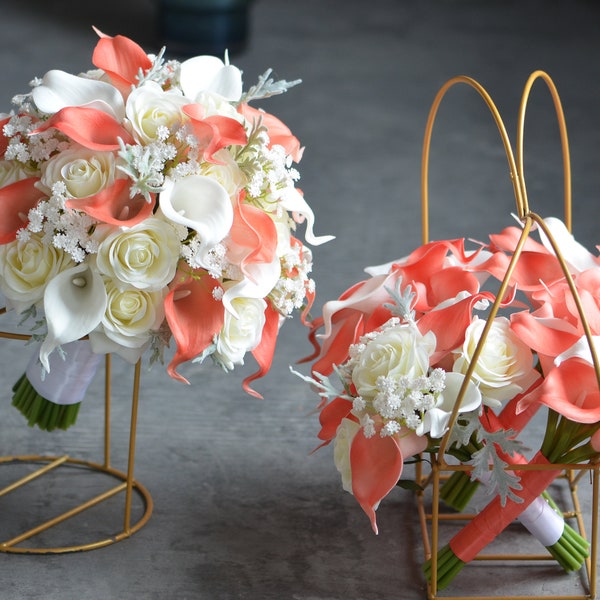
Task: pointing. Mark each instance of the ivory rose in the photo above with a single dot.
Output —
(130, 318)
(144, 256)
(226, 172)
(150, 107)
(242, 333)
(25, 269)
(396, 352)
(84, 172)
(505, 366)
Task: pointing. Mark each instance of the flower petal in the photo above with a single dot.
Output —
(214, 132)
(114, 205)
(92, 128)
(194, 317)
(253, 237)
(571, 389)
(577, 256)
(261, 279)
(74, 304)
(60, 90)
(121, 59)
(293, 200)
(16, 199)
(377, 464)
(279, 133)
(264, 352)
(210, 74)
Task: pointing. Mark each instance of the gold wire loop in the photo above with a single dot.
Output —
(564, 140)
(521, 207)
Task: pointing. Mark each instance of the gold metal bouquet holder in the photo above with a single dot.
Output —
(434, 470)
(37, 468)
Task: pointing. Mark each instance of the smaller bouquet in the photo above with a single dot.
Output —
(145, 202)
(413, 342)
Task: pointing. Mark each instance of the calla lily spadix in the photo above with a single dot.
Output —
(74, 304)
(59, 90)
(200, 203)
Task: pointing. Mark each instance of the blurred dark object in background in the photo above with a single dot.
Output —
(194, 27)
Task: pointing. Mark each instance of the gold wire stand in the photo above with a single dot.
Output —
(127, 484)
(430, 516)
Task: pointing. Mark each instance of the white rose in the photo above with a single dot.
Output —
(341, 451)
(226, 172)
(25, 269)
(130, 318)
(505, 365)
(242, 334)
(396, 352)
(84, 172)
(144, 256)
(150, 107)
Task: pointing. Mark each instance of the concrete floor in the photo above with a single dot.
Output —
(241, 508)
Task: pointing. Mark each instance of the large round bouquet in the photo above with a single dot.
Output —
(141, 202)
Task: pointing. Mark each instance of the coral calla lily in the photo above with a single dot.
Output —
(214, 132)
(264, 352)
(279, 133)
(92, 128)
(74, 304)
(571, 389)
(121, 59)
(194, 316)
(114, 205)
(377, 464)
(253, 237)
(16, 200)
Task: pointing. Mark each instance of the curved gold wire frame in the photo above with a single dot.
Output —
(529, 220)
(47, 464)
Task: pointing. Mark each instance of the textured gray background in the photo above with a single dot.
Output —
(241, 508)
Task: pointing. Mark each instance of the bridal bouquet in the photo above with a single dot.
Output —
(401, 349)
(142, 202)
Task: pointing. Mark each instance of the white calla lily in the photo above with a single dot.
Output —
(59, 90)
(200, 203)
(74, 304)
(210, 74)
(435, 422)
(262, 278)
(576, 255)
(292, 200)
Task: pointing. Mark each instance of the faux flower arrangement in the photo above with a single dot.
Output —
(141, 202)
(399, 350)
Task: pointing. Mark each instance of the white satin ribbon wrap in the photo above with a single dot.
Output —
(539, 518)
(543, 522)
(68, 379)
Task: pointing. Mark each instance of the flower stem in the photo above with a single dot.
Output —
(39, 411)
